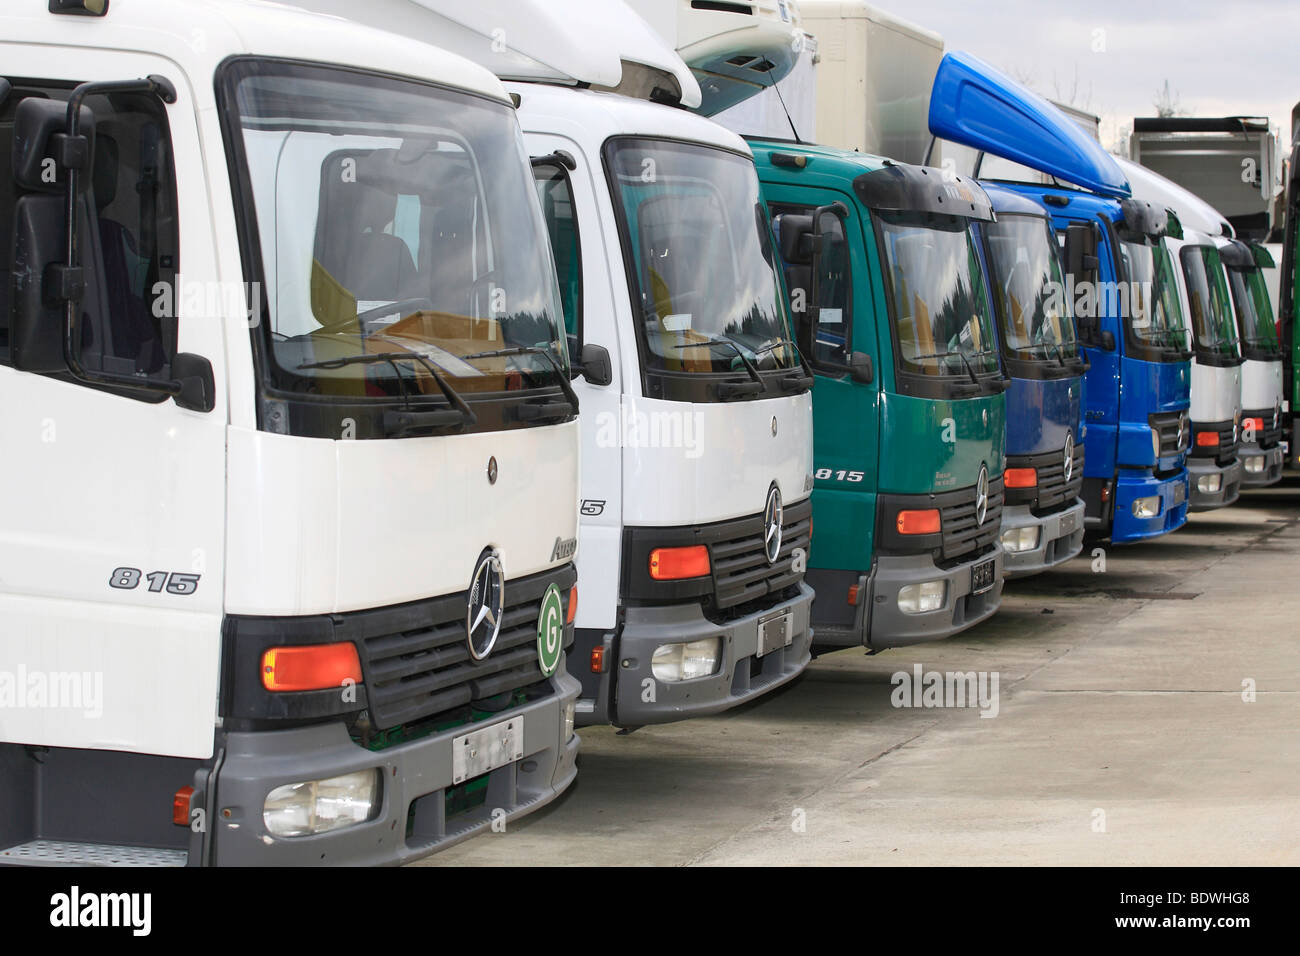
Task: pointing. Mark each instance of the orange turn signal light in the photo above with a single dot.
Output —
(672, 564)
(181, 806)
(573, 605)
(310, 666)
(1205, 439)
(1256, 423)
(598, 660)
(1020, 477)
(918, 522)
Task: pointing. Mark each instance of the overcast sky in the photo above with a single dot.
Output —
(1221, 58)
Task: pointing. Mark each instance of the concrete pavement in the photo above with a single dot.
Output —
(1121, 735)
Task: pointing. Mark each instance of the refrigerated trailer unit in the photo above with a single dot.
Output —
(1136, 419)
(290, 421)
(697, 413)
(1230, 162)
(873, 78)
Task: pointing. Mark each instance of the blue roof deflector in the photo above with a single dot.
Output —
(975, 105)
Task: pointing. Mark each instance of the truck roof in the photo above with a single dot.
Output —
(823, 161)
(199, 34)
(1010, 202)
(592, 116)
(599, 43)
(1193, 212)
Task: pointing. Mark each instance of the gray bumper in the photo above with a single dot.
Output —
(1060, 538)
(884, 625)
(415, 776)
(1229, 484)
(1267, 463)
(640, 698)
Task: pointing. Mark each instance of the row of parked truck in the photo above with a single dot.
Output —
(340, 361)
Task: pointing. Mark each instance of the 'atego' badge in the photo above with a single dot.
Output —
(550, 631)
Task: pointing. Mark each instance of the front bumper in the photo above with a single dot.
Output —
(639, 698)
(1126, 527)
(412, 821)
(1267, 463)
(1060, 538)
(1229, 483)
(881, 624)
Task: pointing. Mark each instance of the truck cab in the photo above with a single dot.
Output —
(307, 440)
(1119, 279)
(893, 313)
(1043, 517)
(1260, 448)
(697, 409)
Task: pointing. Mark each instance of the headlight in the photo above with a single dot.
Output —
(919, 598)
(318, 806)
(1155, 443)
(567, 711)
(1209, 484)
(1016, 540)
(1254, 464)
(674, 662)
(1147, 507)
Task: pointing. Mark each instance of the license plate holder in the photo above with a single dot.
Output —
(1180, 494)
(775, 631)
(982, 576)
(480, 751)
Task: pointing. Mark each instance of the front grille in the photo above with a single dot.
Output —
(1174, 436)
(1053, 492)
(963, 536)
(741, 572)
(1272, 433)
(415, 659)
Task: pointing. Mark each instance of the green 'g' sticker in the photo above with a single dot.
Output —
(550, 631)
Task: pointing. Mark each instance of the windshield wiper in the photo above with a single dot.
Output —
(733, 388)
(970, 369)
(549, 410)
(459, 414)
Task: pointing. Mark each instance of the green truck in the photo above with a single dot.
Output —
(892, 313)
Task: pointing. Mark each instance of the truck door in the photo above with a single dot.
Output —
(572, 215)
(113, 516)
(834, 320)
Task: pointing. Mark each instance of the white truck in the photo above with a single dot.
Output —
(697, 413)
(293, 452)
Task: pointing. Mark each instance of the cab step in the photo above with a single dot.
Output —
(67, 853)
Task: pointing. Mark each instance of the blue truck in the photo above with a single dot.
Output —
(1042, 513)
(1118, 278)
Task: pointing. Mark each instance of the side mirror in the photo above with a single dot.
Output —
(795, 236)
(1081, 251)
(595, 365)
(198, 392)
(861, 368)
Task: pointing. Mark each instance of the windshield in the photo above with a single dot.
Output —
(1207, 298)
(1027, 287)
(1254, 311)
(936, 291)
(698, 245)
(401, 241)
(1155, 316)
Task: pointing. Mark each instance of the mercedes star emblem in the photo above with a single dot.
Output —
(982, 496)
(772, 514)
(486, 602)
(1069, 456)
